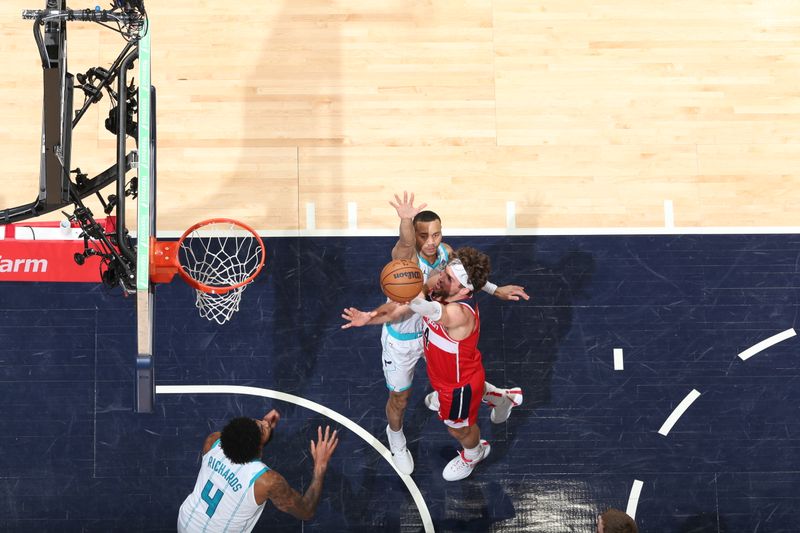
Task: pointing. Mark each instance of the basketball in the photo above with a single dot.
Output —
(401, 280)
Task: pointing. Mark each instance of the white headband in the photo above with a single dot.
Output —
(461, 273)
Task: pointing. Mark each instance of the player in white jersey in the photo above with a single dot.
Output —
(401, 340)
(421, 241)
(234, 485)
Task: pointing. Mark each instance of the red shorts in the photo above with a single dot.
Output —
(458, 407)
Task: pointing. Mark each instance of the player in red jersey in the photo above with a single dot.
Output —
(454, 365)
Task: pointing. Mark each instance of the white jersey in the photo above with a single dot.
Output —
(223, 499)
(412, 327)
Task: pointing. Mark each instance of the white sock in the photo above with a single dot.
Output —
(470, 454)
(397, 439)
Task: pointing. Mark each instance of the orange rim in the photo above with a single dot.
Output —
(165, 265)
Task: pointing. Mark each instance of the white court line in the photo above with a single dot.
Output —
(321, 409)
(676, 414)
(766, 343)
(522, 232)
(669, 214)
(618, 363)
(352, 215)
(633, 499)
(511, 215)
(311, 216)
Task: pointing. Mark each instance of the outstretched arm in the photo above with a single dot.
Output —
(506, 292)
(271, 485)
(388, 312)
(455, 318)
(406, 245)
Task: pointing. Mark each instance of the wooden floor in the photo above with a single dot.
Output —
(584, 114)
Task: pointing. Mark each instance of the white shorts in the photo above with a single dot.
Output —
(399, 358)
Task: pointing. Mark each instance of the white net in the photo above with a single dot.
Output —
(220, 255)
(219, 307)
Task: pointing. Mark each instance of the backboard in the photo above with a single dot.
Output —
(146, 230)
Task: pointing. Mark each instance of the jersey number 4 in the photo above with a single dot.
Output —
(211, 501)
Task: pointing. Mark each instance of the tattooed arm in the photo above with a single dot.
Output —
(273, 486)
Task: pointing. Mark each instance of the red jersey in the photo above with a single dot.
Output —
(451, 363)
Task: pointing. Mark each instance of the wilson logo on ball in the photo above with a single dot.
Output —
(410, 275)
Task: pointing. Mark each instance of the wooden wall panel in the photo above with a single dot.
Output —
(585, 114)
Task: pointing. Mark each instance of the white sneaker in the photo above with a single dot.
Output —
(460, 467)
(432, 401)
(502, 409)
(401, 457)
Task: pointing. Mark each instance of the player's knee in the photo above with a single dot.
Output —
(459, 433)
(466, 433)
(399, 400)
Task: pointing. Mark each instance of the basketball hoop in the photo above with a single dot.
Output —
(217, 257)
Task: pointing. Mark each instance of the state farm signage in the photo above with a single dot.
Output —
(33, 258)
(23, 265)
(45, 261)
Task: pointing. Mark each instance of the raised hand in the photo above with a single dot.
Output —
(322, 450)
(405, 207)
(272, 417)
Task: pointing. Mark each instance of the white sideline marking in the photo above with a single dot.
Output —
(633, 499)
(669, 214)
(352, 215)
(511, 216)
(618, 364)
(321, 409)
(766, 343)
(676, 414)
(311, 217)
(522, 232)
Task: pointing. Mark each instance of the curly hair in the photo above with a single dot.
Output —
(476, 263)
(616, 521)
(241, 440)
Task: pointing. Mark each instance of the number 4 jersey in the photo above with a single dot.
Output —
(223, 498)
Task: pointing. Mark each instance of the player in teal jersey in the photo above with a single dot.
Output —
(233, 485)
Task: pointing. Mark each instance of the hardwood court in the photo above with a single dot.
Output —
(583, 114)
(586, 115)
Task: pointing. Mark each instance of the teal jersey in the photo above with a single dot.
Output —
(223, 499)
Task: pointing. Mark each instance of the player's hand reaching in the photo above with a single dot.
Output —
(322, 450)
(405, 207)
(356, 318)
(272, 418)
(511, 292)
